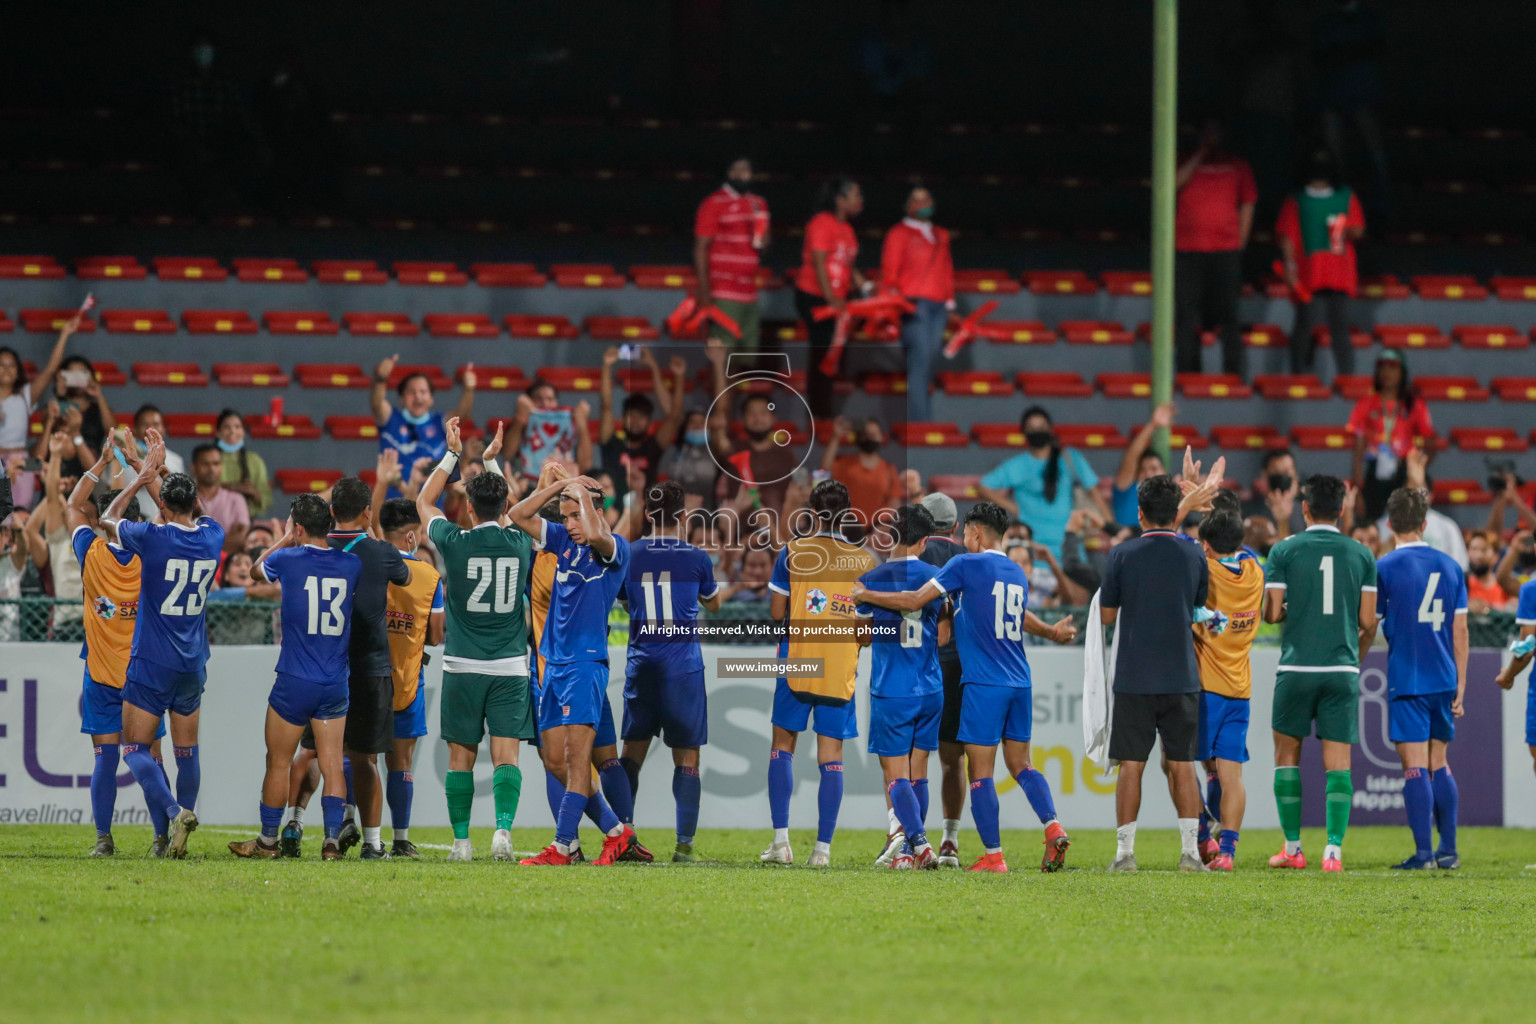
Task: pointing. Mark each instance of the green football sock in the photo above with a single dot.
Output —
(1341, 793)
(506, 787)
(1288, 802)
(461, 797)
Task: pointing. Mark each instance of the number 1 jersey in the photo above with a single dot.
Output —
(484, 570)
(318, 587)
(991, 592)
(177, 564)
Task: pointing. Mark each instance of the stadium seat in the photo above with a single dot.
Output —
(1091, 435)
(362, 324)
(986, 282)
(1382, 286)
(1124, 385)
(1450, 389)
(619, 328)
(278, 271)
(1488, 439)
(349, 272)
(973, 382)
(1484, 336)
(169, 374)
(929, 435)
(1449, 286)
(798, 435)
(632, 379)
(43, 268)
(183, 268)
(434, 375)
(884, 383)
(507, 275)
(1459, 492)
(306, 481)
(1212, 385)
(110, 268)
(428, 273)
(1290, 386)
(496, 378)
(299, 322)
(1094, 332)
(249, 375)
(784, 331)
(7, 325)
(961, 487)
(191, 424)
(1515, 389)
(1358, 338)
(586, 275)
(768, 280)
(331, 375)
(1127, 282)
(107, 374)
(292, 428)
(50, 321)
(460, 325)
(523, 326)
(1185, 437)
(1322, 438)
(1256, 437)
(1265, 336)
(1059, 282)
(1053, 385)
(1514, 289)
(352, 428)
(659, 276)
(218, 321)
(1353, 386)
(571, 378)
(1411, 336)
(137, 321)
(1018, 332)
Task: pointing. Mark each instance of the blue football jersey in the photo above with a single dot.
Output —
(177, 566)
(318, 587)
(991, 591)
(666, 579)
(1525, 609)
(576, 628)
(1419, 593)
(904, 652)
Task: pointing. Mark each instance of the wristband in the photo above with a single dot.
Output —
(493, 467)
(450, 460)
(93, 476)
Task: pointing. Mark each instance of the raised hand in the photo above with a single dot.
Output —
(582, 413)
(494, 448)
(610, 355)
(469, 380)
(388, 465)
(1163, 415)
(451, 432)
(386, 366)
(524, 407)
(678, 365)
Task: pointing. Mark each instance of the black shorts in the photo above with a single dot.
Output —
(949, 720)
(1141, 718)
(370, 715)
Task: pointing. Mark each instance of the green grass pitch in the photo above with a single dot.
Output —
(728, 939)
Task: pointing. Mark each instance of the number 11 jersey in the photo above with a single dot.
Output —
(666, 578)
(177, 566)
(484, 570)
(991, 591)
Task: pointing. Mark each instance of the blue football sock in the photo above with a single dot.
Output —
(400, 790)
(781, 783)
(554, 792)
(904, 803)
(616, 789)
(632, 773)
(152, 781)
(271, 821)
(1229, 841)
(920, 787)
(189, 776)
(332, 807)
(569, 822)
(346, 773)
(984, 811)
(1446, 799)
(1038, 790)
(157, 816)
(104, 787)
(829, 800)
(1419, 801)
(598, 810)
(686, 788)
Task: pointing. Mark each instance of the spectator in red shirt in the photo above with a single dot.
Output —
(1214, 215)
(1317, 230)
(826, 272)
(915, 263)
(1388, 423)
(729, 232)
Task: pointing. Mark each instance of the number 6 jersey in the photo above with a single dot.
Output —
(177, 564)
(904, 650)
(319, 585)
(484, 570)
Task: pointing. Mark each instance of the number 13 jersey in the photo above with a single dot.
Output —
(319, 585)
(484, 571)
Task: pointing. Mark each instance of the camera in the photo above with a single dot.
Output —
(1498, 469)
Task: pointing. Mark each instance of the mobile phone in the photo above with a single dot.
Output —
(629, 351)
(75, 378)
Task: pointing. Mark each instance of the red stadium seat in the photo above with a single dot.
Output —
(638, 378)
(619, 328)
(657, 276)
(434, 375)
(50, 321)
(460, 325)
(349, 272)
(183, 268)
(137, 321)
(1449, 286)
(41, 267)
(884, 383)
(507, 275)
(418, 272)
(1094, 332)
(1091, 435)
(1382, 286)
(785, 331)
(1322, 438)
(1515, 389)
(586, 275)
(1484, 336)
(292, 428)
(1180, 438)
(929, 435)
(1127, 282)
(571, 378)
(1459, 492)
(110, 268)
(986, 282)
(190, 424)
(496, 378)
(1353, 386)
(299, 322)
(523, 326)
(1018, 332)
(1213, 385)
(331, 375)
(1054, 385)
(973, 382)
(1124, 385)
(108, 375)
(961, 487)
(363, 324)
(1488, 439)
(249, 375)
(1256, 437)
(768, 280)
(1292, 386)
(1265, 336)
(218, 321)
(1059, 282)
(176, 375)
(279, 271)
(306, 481)
(1514, 289)
(1450, 389)
(1412, 336)
(7, 325)
(352, 428)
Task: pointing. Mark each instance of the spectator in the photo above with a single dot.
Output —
(759, 462)
(235, 582)
(1518, 565)
(1139, 463)
(1483, 591)
(1275, 491)
(1083, 549)
(872, 482)
(1214, 216)
(226, 507)
(1506, 493)
(260, 537)
(543, 429)
(414, 429)
(63, 566)
(729, 232)
(13, 566)
(1259, 535)
(60, 422)
(1020, 553)
(244, 471)
(148, 417)
(84, 408)
(1367, 534)
(1037, 484)
(1387, 424)
(1317, 230)
(638, 440)
(1440, 532)
(689, 462)
(912, 487)
(825, 276)
(915, 263)
(751, 585)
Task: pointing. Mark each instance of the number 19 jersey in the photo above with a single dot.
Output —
(1323, 574)
(991, 591)
(177, 564)
(483, 574)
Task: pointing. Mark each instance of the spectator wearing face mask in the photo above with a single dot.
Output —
(244, 471)
(414, 428)
(915, 263)
(751, 585)
(729, 232)
(1037, 484)
(873, 483)
(1275, 494)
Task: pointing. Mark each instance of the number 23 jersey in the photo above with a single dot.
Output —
(991, 591)
(484, 571)
(318, 587)
(177, 566)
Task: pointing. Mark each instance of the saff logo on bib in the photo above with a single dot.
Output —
(815, 602)
(106, 608)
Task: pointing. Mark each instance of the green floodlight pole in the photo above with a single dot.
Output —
(1165, 102)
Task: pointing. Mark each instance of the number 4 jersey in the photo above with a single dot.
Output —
(991, 591)
(484, 570)
(1421, 593)
(318, 587)
(177, 566)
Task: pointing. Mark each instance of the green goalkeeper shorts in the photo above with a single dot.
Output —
(474, 704)
(1331, 699)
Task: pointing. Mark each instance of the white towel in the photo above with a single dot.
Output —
(1098, 688)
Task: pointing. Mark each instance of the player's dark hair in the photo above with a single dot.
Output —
(1273, 456)
(912, 524)
(398, 514)
(550, 510)
(406, 380)
(131, 511)
(1324, 497)
(201, 450)
(640, 404)
(179, 494)
(350, 498)
(1158, 498)
(1227, 500)
(487, 496)
(664, 503)
(829, 500)
(1222, 529)
(311, 512)
(1407, 509)
(988, 514)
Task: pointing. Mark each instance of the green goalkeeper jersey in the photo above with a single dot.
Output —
(484, 575)
(1323, 574)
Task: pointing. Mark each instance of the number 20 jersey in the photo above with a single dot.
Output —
(484, 572)
(177, 566)
(992, 593)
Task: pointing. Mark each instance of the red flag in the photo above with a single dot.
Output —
(742, 463)
(967, 329)
(1300, 292)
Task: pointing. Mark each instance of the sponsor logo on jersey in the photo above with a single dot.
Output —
(106, 608)
(815, 601)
